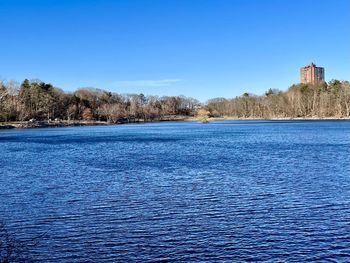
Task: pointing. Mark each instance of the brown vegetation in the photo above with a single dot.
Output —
(203, 115)
(324, 100)
(33, 102)
(39, 101)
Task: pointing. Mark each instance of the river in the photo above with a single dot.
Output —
(179, 191)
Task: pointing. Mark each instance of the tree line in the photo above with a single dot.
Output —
(42, 101)
(320, 100)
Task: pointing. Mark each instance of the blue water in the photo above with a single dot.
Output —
(226, 191)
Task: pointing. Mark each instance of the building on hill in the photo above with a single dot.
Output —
(311, 74)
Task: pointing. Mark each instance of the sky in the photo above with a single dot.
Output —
(198, 48)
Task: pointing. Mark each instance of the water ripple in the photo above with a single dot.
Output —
(226, 191)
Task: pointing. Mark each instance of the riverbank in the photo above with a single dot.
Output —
(227, 118)
(42, 124)
(56, 124)
(64, 123)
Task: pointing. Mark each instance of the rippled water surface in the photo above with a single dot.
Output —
(234, 191)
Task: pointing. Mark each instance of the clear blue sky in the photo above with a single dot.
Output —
(198, 48)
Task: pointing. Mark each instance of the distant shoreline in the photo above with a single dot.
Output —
(30, 125)
(278, 119)
(75, 123)
(271, 119)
